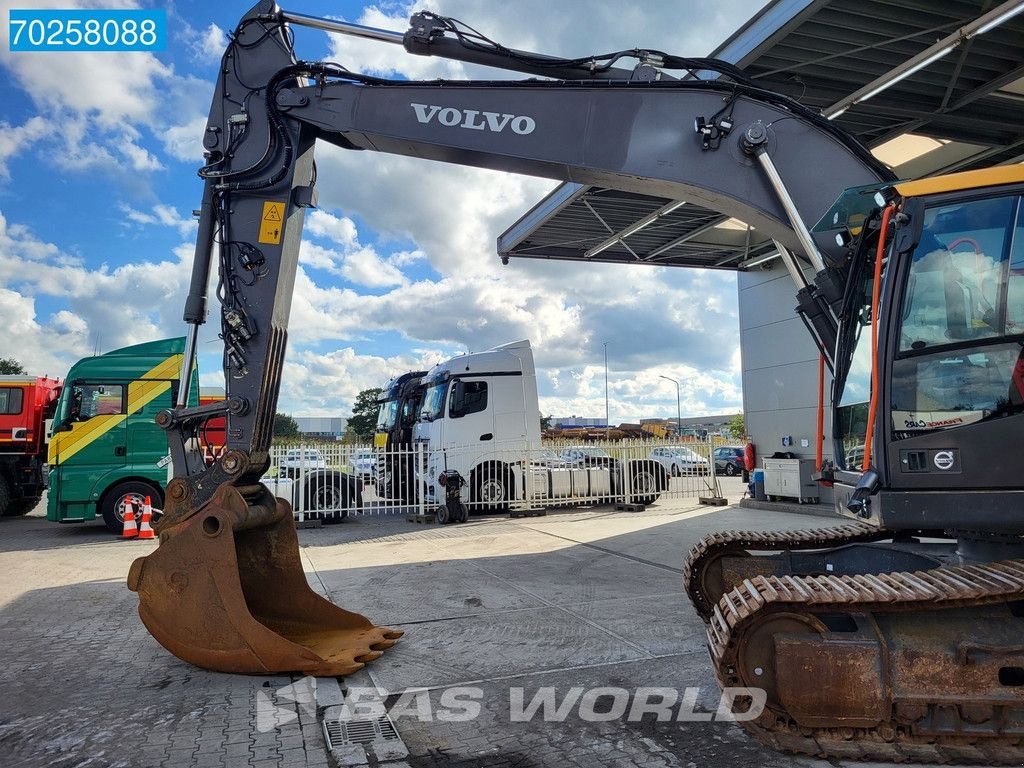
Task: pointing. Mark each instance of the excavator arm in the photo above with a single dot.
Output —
(223, 589)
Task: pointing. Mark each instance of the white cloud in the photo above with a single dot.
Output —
(139, 158)
(162, 215)
(342, 230)
(365, 267)
(15, 138)
(357, 263)
(185, 141)
(210, 43)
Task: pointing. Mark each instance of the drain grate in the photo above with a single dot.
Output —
(343, 732)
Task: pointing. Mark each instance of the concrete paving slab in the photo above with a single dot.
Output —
(660, 624)
(498, 644)
(420, 591)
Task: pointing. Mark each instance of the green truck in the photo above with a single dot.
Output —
(105, 447)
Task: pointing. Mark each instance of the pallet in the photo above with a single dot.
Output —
(420, 518)
(527, 513)
(715, 501)
(623, 507)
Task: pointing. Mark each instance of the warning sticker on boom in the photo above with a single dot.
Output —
(272, 223)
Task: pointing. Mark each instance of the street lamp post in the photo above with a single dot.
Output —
(607, 418)
(679, 411)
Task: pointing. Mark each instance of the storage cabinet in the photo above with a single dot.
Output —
(790, 478)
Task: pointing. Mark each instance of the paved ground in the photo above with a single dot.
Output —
(578, 598)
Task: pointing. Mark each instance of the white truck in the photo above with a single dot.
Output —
(480, 417)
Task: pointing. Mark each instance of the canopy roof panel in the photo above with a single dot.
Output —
(961, 112)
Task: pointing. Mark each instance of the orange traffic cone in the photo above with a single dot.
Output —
(146, 530)
(130, 530)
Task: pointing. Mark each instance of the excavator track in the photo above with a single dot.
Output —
(899, 723)
(717, 545)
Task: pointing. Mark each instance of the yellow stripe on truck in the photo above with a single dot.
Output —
(64, 445)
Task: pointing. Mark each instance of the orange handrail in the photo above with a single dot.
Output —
(876, 290)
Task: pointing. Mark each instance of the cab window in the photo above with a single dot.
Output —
(962, 323)
(89, 400)
(11, 400)
(474, 399)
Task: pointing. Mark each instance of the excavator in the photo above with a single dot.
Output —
(894, 636)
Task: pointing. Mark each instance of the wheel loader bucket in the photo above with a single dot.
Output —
(225, 591)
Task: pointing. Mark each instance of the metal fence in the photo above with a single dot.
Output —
(333, 480)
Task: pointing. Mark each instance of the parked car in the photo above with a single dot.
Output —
(680, 460)
(364, 464)
(297, 461)
(586, 456)
(549, 458)
(729, 460)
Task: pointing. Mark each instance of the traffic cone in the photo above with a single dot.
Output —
(130, 530)
(146, 530)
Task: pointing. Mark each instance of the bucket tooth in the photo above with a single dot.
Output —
(225, 590)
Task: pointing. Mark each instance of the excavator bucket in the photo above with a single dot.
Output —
(225, 591)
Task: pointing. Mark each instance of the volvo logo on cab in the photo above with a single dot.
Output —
(474, 119)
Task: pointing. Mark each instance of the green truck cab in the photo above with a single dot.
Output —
(106, 447)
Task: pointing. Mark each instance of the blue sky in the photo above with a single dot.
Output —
(98, 154)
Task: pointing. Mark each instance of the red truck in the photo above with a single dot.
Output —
(26, 403)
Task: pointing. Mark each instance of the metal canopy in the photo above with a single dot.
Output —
(970, 103)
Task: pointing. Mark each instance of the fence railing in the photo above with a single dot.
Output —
(334, 480)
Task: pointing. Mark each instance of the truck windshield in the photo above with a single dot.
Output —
(388, 415)
(433, 401)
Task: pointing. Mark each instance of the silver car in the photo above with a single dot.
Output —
(680, 460)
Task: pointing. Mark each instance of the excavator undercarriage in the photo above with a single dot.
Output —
(899, 652)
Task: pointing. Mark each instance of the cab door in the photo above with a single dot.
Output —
(88, 444)
(471, 420)
(147, 443)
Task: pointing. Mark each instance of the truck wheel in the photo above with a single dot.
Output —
(331, 494)
(492, 487)
(113, 501)
(644, 486)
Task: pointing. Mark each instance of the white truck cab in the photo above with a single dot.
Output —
(481, 418)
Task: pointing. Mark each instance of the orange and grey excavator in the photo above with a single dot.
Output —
(896, 636)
